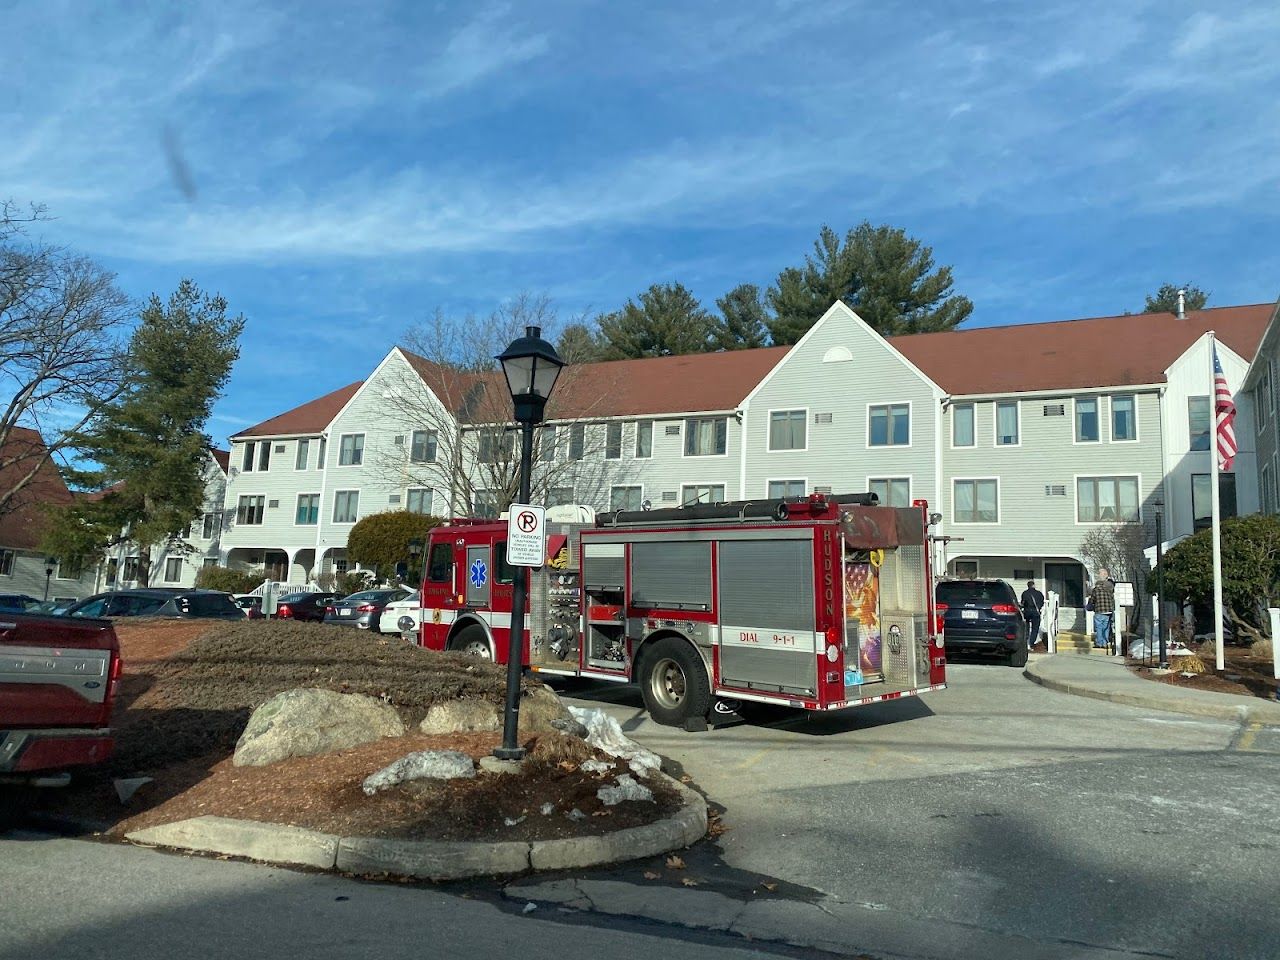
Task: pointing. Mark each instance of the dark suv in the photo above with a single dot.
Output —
(158, 602)
(983, 616)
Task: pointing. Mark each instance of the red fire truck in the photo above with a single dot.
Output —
(816, 603)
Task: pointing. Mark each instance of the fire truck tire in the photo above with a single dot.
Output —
(673, 682)
(474, 641)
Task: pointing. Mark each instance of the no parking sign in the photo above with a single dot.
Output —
(526, 535)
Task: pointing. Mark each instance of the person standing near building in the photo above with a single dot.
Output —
(1032, 605)
(1102, 600)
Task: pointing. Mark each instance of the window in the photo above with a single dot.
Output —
(1124, 417)
(422, 448)
(558, 496)
(1198, 416)
(173, 569)
(6, 563)
(308, 512)
(340, 565)
(1022, 574)
(644, 439)
(613, 440)
(893, 492)
(264, 454)
(130, 569)
(71, 569)
(503, 571)
(626, 498)
(1107, 499)
(303, 455)
(246, 463)
(484, 505)
(320, 454)
(547, 445)
(494, 445)
(351, 450)
(346, 503)
(577, 441)
(702, 493)
(965, 568)
(209, 529)
(1202, 496)
(707, 437)
(890, 425)
(785, 488)
(209, 562)
(976, 501)
(249, 510)
(962, 433)
(1264, 396)
(1007, 423)
(418, 500)
(440, 563)
(1086, 419)
(787, 429)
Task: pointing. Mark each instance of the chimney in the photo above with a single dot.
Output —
(1182, 304)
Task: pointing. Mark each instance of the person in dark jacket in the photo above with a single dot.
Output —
(1032, 605)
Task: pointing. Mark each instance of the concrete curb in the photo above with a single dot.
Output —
(429, 859)
(1261, 713)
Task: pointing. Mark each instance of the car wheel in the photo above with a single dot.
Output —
(673, 682)
(1018, 658)
(473, 641)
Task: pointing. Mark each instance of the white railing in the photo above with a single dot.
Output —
(1049, 619)
(280, 589)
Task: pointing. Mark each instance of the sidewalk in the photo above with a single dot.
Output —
(1106, 678)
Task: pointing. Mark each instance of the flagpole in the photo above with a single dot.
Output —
(1216, 518)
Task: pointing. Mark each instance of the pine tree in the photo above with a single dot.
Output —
(149, 446)
(1165, 300)
(668, 320)
(741, 324)
(887, 277)
(578, 343)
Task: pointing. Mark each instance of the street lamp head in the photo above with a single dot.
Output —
(531, 366)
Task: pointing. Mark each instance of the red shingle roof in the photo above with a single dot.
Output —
(24, 521)
(310, 418)
(222, 458)
(1071, 354)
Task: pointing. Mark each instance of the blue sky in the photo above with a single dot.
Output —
(355, 166)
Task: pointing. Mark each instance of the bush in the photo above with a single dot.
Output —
(381, 540)
(229, 580)
(351, 581)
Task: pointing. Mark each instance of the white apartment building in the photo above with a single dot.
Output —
(1023, 438)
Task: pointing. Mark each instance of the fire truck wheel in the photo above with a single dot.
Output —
(674, 682)
(473, 641)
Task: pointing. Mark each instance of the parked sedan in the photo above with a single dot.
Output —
(410, 606)
(16, 602)
(983, 616)
(303, 606)
(363, 610)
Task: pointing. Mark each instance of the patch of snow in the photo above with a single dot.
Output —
(514, 821)
(596, 766)
(547, 809)
(605, 734)
(576, 814)
(423, 765)
(627, 789)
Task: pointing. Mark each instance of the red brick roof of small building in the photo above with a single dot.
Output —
(24, 521)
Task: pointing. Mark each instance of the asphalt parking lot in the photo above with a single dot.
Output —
(1000, 805)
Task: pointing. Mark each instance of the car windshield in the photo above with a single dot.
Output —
(976, 592)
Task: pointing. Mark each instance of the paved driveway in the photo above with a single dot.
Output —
(1003, 806)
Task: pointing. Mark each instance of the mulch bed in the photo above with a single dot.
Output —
(1255, 675)
(188, 691)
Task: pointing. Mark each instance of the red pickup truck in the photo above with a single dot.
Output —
(58, 683)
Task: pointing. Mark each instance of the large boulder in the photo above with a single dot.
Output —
(306, 722)
(541, 711)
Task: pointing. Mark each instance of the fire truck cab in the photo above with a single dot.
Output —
(816, 603)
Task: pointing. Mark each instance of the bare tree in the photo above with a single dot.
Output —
(460, 438)
(62, 335)
(1119, 548)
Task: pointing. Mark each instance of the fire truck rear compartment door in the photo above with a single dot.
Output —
(673, 574)
(768, 639)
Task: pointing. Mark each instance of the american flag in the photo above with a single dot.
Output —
(1224, 410)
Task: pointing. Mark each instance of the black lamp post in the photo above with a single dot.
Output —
(49, 563)
(1164, 659)
(531, 366)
